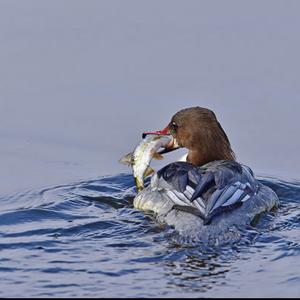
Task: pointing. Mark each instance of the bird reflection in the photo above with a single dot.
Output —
(198, 272)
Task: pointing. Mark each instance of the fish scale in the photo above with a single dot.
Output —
(142, 155)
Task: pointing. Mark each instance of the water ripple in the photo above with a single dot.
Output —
(86, 239)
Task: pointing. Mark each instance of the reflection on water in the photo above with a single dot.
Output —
(87, 239)
(196, 273)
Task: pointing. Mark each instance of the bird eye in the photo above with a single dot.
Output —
(174, 126)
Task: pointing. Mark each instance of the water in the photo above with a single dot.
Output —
(86, 239)
(80, 81)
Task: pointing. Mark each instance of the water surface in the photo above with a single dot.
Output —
(86, 239)
(80, 81)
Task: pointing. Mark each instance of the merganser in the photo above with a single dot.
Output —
(209, 196)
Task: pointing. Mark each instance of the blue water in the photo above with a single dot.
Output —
(87, 239)
(79, 83)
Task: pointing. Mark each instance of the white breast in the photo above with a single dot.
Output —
(183, 158)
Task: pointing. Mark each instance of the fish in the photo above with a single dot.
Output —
(142, 155)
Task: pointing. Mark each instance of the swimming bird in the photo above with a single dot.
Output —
(208, 195)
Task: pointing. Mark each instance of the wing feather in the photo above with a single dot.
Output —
(217, 187)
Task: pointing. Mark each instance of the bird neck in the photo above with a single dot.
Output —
(210, 145)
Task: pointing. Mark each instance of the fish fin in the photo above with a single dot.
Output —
(148, 171)
(158, 156)
(126, 159)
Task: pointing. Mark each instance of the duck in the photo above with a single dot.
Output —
(207, 195)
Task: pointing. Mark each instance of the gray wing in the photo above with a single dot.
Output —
(207, 191)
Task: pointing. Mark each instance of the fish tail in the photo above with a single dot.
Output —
(139, 183)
